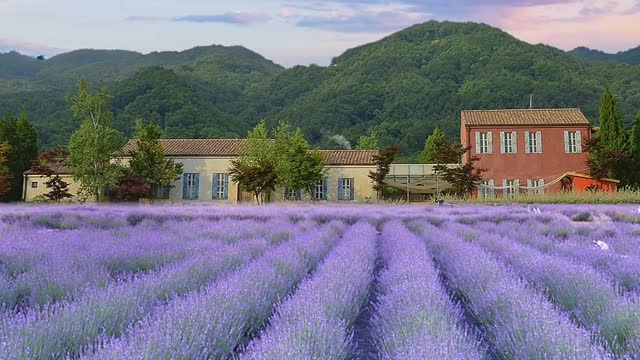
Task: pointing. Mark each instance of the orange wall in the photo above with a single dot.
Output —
(548, 165)
(581, 184)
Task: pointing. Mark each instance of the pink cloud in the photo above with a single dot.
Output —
(28, 48)
(609, 30)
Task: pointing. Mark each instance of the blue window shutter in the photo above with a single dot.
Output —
(298, 194)
(167, 192)
(325, 188)
(226, 186)
(184, 186)
(353, 189)
(196, 185)
(214, 187)
(340, 192)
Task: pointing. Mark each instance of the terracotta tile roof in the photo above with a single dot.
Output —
(524, 117)
(61, 169)
(195, 147)
(348, 157)
(233, 147)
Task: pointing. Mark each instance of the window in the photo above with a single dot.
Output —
(220, 186)
(292, 194)
(48, 185)
(510, 187)
(34, 184)
(536, 186)
(160, 192)
(346, 189)
(320, 190)
(484, 142)
(533, 141)
(508, 142)
(190, 186)
(572, 142)
(485, 190)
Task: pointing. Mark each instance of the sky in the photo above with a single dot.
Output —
(299, 32)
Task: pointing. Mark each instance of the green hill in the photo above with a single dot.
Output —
(422, 77)
(631, 56)
(403, 86)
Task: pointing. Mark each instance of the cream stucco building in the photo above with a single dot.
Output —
(206, 177)
(35, 187)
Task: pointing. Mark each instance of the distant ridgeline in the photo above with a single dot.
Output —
(402, 86)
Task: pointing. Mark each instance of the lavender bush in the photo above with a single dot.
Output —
(414, 318)
(221, 282)
(315, 322)
(213, 322)
(517, 322)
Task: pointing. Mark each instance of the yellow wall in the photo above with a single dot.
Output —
(207, 166)
(31, 193)
(362, 184)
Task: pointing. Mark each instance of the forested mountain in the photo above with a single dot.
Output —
(403, 86)
(631, 56)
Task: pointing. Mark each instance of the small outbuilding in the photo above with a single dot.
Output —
(583, 182)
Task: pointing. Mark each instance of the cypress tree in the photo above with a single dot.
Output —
(634, 152)
(608, 154)
(26, 149)
(436, 140)
(23, 141)
(612, 134)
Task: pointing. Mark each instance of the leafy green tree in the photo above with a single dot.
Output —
(433, 142)
(300, 168)
(369, 142)
(383, 162)
(148, 159)
(5, 172)
(255, 170)
(94, 146)
(297, 167)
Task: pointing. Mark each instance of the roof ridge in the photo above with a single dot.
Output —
(343, 150)
(186, 139)
(541, 109)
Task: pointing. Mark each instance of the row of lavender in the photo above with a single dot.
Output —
(206, 282)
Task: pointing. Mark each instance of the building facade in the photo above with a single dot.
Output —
(206, 178)
(525, 150)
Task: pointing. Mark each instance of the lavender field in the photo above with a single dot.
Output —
(324, 282)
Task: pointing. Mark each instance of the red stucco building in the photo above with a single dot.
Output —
(526, 149)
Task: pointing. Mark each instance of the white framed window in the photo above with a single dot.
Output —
(190, 185)
(533, 142)
(484, 142)
(572, 142)
(220, 186)
(320, 190)
(508, 142)
(34, 184)
(536, 186)
(486, 189)
(346, 189)
(510, 187)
